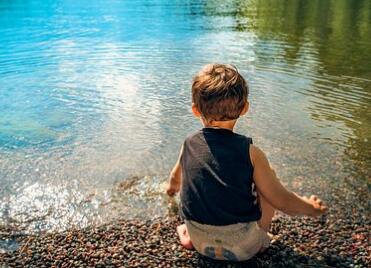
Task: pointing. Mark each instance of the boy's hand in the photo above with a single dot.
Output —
(318, 207)
(172, 188)
(175, 178)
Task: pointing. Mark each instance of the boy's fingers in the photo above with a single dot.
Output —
(317, 201)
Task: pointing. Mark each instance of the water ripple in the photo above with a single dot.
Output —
(93, 95)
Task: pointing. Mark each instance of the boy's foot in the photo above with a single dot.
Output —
(265, 248)
(185, 240)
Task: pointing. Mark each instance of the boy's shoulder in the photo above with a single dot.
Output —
(193, 135)
(241, 136)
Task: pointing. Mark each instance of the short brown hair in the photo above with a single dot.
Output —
(219, 92)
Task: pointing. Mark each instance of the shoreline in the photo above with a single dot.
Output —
(297, 242)
(338, 239)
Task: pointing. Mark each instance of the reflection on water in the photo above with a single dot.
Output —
(94, 94)
(329, 42)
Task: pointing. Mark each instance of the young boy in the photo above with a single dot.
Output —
(228, 190)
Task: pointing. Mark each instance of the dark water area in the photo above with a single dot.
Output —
(95, 99)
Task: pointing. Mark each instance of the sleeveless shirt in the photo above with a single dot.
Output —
(217, 174)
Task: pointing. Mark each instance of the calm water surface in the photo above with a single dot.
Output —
(95, 97)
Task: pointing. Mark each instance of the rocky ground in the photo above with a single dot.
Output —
(341, 238)
(298, 242)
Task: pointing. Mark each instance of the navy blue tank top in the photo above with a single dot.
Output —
(218, 186)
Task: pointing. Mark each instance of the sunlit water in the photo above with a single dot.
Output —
(95, 97)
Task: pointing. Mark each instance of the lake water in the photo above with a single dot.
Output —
(95, 98)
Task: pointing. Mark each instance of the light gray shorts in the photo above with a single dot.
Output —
(235, 242)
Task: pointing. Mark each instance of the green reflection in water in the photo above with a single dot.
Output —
(336, 36)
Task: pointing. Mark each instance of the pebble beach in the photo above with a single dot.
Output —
(340, 238)
(297, 242)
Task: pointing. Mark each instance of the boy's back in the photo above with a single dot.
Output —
(217, 172)
(218, 186)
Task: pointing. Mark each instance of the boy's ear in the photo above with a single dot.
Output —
(195, 110)
(245, 108)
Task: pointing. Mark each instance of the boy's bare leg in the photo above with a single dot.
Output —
(267, 213)
(185, 240)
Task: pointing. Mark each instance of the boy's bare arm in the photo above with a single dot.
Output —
(175, 177)
(276, 194)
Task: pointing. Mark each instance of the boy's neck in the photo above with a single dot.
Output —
(220, 124)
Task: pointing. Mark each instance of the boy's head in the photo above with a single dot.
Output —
(219, 93)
